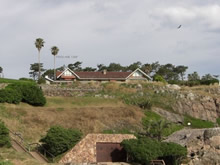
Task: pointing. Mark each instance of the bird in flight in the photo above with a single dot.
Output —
(179, 26)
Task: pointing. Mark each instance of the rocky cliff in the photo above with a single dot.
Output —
(202, 103)
(203, 145)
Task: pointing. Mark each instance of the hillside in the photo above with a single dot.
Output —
(87, 114)
(95, 108)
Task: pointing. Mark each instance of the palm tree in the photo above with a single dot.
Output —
(54, 52)
(39, 43)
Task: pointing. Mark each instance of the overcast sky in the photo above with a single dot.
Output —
(104, 31)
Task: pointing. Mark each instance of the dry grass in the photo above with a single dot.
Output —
(18, 158)
(87, 114)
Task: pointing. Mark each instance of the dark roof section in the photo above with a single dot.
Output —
(58, 73)
(101, 75)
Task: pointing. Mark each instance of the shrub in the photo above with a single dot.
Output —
(172, 152)
(58, 139)
(156, 126)
(31, 93)
(41, 81)
(159, 78)
(141, 101)
(10, 96)
(209, 82)
(4, 135)
(144, 150)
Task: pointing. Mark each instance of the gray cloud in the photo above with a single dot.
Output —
(110, 31)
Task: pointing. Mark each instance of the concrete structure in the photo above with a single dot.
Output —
(86, 152)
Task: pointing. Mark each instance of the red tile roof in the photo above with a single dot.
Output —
(101, 75)
(58, 73)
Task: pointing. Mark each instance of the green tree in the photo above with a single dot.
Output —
(49, 73)
(1, 72)
(89, 69)
(76, 66)
(115, 67)
(39, 43)
(35, 70)
(154, 128)
(134, 66)
(207, 77)
(54, 52)
(151, 69)
(193, 77)
(101, 67)
(59, 140)
(180, 70)
(168, 72)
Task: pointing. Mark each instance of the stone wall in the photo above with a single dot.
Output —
(59, 90)
(85, 150)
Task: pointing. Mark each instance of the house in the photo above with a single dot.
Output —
(98, 148)
(69, 75)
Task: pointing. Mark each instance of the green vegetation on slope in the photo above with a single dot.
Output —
(4, 80)
(197, 123)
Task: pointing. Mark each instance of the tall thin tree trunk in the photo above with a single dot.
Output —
(54, 70)
(39, 64)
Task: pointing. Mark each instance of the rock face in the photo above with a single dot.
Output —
(168, 115)
(202, 107)
(203, 145)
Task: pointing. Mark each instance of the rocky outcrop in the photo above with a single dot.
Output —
(202, 107)
(175, 118)
(203, 145)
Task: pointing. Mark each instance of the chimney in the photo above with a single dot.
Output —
(104, 71)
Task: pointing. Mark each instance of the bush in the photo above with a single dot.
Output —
(10, 96)
(4, 136)
(141, 101)
(41, 81)
(59, 140)
(152, 123)
(172, 152)
(159, 78)
(144, 150)
(31, 93)
(209, 82)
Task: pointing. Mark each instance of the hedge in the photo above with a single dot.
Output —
(10, 96)
(58, 139)
(30, 93)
